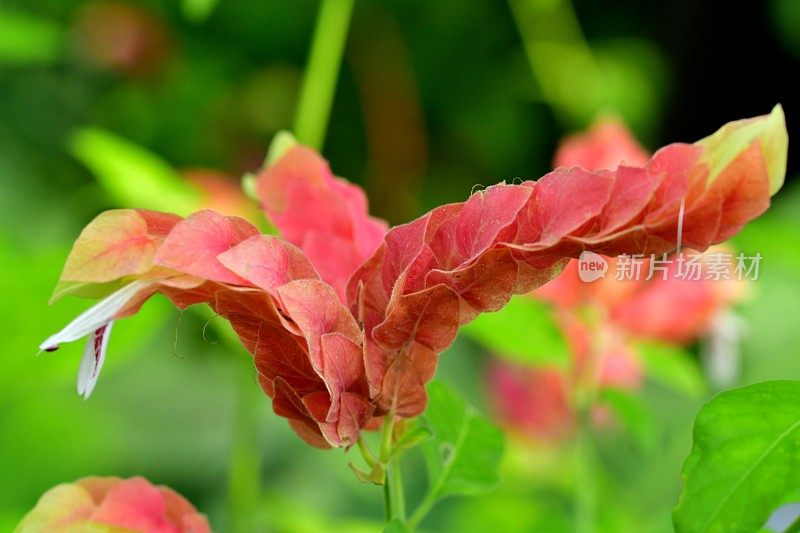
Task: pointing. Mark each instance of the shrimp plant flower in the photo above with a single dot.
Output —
(346, 318)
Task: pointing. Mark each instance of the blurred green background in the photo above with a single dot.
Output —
(434, 97)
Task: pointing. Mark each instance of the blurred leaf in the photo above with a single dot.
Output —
(632, 412)
(523, 331)
(413, 437)
(464, 452)
(636, 79)
(293, 516)
(132, 175)
(561, 62)
(671, 366)
(48, 448)
(32, 321)
(29, 40)
(512, 509)
(198, 10)
(743, 463)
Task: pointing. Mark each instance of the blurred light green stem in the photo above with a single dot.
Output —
(569, 78)
(322, 71)
(585, 482)
(244, 480)
(244, 484)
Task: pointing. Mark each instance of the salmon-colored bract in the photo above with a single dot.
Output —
(346, 321)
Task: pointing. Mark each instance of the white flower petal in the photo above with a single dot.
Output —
(94, 355)
(95, 317)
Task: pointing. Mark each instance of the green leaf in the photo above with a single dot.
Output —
(672, 366)
(524, 331)
(632, 414)
(29, 40)
(464, 452)
(410, 439)
(745, 461)
(132, 175)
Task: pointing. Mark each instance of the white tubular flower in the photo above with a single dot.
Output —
(95, 323)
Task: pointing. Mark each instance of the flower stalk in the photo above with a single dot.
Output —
(322, 71)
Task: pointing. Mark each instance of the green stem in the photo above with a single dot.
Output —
(560, 57)
(395, 479)
(387, 502)
(244, 484)
(319, 83)
(386, 439)
(422, 510)
(393, 491)
(385, 453)
(366, 453)
(394, 499)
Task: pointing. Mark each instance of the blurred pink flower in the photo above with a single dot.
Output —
(121, 37)
(606, 145)
(221, 193)
(531, 401)
(132, 504)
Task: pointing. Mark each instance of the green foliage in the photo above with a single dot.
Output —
(671, 366)
(630, 410)
(524, 331)
(785, 15)
(464, 452)
(198, 10)
(132, 175)
(745, 460)
(624, 76)
(412, 438)
(32, 323)
(28, 40)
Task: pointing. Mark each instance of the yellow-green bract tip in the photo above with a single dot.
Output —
(725, 145)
